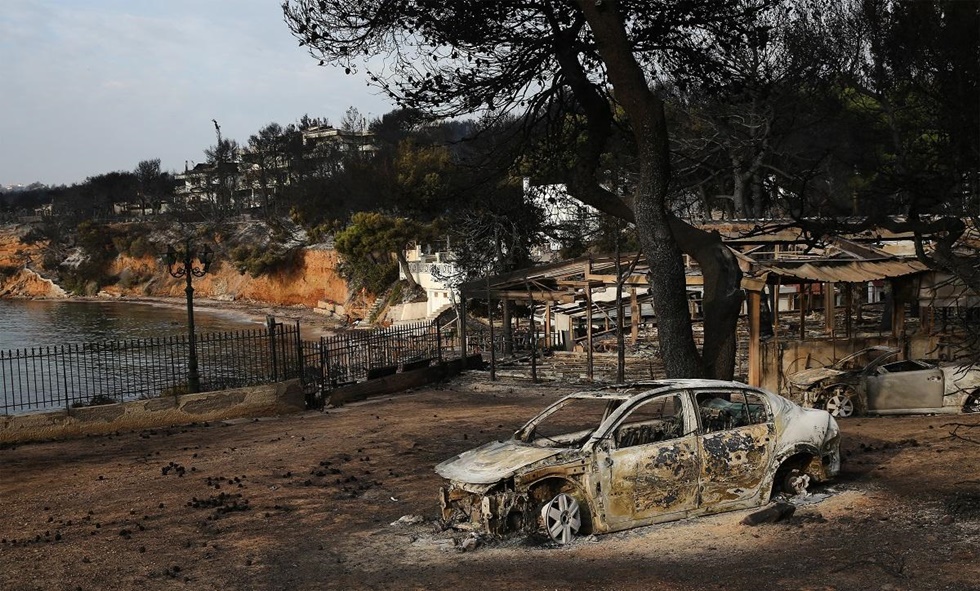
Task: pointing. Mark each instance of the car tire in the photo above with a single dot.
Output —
(787, 479)
(562, 518)
(794, 482)
(972, 403)
(838, 400)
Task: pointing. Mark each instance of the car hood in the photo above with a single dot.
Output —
(493, 461)
(809, 377)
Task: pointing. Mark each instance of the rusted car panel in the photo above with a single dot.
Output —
(872, 381)
(643, 482)
(634, 455)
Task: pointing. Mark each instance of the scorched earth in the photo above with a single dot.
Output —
(347, 499)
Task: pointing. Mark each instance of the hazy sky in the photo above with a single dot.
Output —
(95, 86)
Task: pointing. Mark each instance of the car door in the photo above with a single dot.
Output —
(649, 463)
(905, 385)
(736, 440)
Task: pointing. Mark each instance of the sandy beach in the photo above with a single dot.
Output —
(313, 325)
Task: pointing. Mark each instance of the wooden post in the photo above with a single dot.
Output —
(802, 312)
(898, 316)
(493, 345)
(547, 325)
(533, 338)
(848, 305)
(928, 318)
(829, 306)
(588, 332)
(634, 317)
(506, 327)
(755, 359)
(776, 300)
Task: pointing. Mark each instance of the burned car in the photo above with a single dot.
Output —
(620, 457)
(835, 388)
(872, 381)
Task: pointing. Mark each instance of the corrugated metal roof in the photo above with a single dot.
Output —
(844, 271)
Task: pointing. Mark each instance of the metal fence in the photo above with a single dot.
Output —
(71, 375)
(367, 354)
(66, 376)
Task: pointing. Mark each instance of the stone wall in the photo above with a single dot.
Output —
(256, 401)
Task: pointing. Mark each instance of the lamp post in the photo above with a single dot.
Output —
(181, 263)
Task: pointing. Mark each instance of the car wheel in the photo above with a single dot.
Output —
(562, 518)
(972, 403)
(839, 401)
(795, 482)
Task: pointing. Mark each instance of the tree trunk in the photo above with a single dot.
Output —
(723, 297)
(406, 270)
(646, 114)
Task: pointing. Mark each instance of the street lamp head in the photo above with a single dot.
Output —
(207, 257)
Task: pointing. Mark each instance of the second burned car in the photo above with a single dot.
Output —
(876, 381)
(620, 457)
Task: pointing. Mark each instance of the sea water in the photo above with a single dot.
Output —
(34, 323)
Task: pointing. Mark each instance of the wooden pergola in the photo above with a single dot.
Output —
(768, 261)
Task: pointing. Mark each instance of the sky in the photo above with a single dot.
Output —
(95, 86)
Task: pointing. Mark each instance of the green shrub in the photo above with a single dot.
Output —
(263, 260)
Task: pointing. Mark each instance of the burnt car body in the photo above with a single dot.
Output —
(620, 457)
(872, 381)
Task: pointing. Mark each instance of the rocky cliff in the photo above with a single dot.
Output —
(17, 261)
(313, 279)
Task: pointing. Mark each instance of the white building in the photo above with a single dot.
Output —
(434, 273)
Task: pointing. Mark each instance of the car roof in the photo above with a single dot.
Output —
(881, 350)
(635, 389)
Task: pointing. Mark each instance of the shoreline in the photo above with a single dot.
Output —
(312, 324)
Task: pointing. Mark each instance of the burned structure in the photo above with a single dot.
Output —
(809, 303)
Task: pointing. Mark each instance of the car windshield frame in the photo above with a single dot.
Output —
(529, 433)
(885, 353)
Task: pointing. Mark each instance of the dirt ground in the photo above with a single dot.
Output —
(313, 501)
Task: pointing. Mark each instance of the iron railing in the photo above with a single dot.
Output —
(359, 355)
(71, 375)
(66, 376)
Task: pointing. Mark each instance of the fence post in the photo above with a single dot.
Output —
(438, 340)
(324, 363)
(299, 353)
(270, 323)
(64, 374)
(349, 354)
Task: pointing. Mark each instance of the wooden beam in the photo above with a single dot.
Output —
(611, 279)
(578, 283)
(538, 296)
